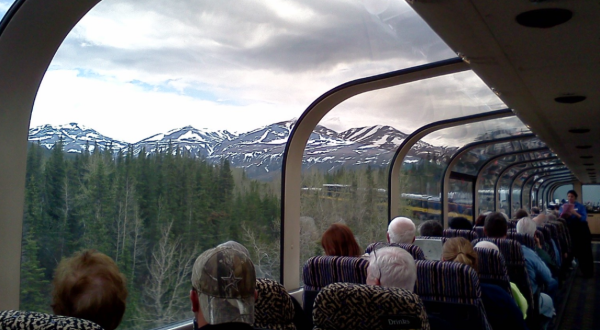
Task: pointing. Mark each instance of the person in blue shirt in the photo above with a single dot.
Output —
(576, 217)
(501, 309)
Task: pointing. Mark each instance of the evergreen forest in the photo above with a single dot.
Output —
(155, 213)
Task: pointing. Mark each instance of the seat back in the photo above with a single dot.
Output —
(515, 264)
(414, 250)
(431, 237)
(492, 268)
(320, 271)
(18, 320)
(479, 231)
(555, 236)
(526, 240)
(564, 236)
(468, 234)
(274, 308)
(450, 291)
(367, 307)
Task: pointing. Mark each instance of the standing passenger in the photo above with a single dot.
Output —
(576, 216)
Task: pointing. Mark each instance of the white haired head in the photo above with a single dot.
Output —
(401, 230)
(541, 219)
(487, 245)
(526, 226)
(392, 267)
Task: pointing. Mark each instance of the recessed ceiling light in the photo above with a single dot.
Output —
(585, 146)
(579, 130)
(570, 99)
(588, 164)
(586, 157)
(544, 18)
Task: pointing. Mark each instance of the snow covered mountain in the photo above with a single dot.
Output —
(260, 151)
(199, 142)
(74, 137)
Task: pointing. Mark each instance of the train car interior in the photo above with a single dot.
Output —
(369, 110)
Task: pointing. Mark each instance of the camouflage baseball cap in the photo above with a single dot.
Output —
(225, 280)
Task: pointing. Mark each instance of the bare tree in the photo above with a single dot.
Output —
(170, 269)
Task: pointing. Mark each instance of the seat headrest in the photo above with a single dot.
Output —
(361, 306)
(18, 320)
(274, 308)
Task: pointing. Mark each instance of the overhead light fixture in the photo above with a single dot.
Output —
(544, 18)
(579, 130)
(570, 99)
(585, 146)
(586, 157)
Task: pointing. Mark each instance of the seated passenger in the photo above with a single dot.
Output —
(431, 228)
(528, 227)
(89, 286)
(301, 321)
(460, 223)
(401, 231)
(501, 310)
(535, 211)
(392, 267)
(480, 221)
(517, 295)
(338, 240)
(521, 213)
(223, 289)
(495, 226)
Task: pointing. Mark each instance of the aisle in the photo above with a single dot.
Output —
(581, 311)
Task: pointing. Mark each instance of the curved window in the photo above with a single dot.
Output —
(160, 126)
(346, 160)
(4, 6)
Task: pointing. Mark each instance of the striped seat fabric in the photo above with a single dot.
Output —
(18, 320)
(468, 234)
(479, 231)
(320, 271)
(274, 308)
(451, 292)
(414, 250)
(526, 240)
(555, 236)
(492, 268)
(515, 264)
(564, 236)
(546, 241)
(368, 307)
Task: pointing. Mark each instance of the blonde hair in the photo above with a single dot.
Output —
(459, 249)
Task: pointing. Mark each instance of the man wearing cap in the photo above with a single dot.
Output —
(223, 293)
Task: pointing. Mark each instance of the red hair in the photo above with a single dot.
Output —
(338, 240)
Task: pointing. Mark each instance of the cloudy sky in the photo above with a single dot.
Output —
(134, 68)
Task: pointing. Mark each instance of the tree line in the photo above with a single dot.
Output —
(152, 213)
(155, 213)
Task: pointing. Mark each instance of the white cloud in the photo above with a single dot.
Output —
(133, 68)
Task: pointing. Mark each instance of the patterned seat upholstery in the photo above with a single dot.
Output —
(515, 264)
(320, 271)
(450, 291)
(546, 241)
(526, 240)
(18, 320)
(368, 307)
(479, 231)
(555, 236)
(468, 234)
(492, 268)
(274, 308)
(414, 250)
(512, 223)
(564, 236)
